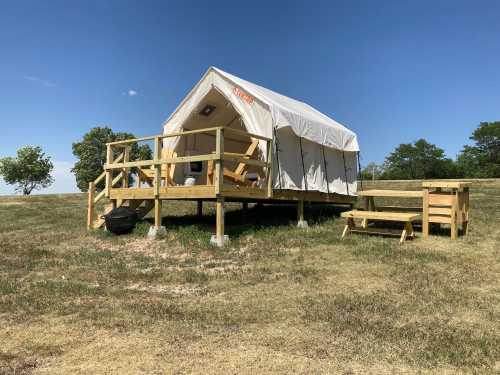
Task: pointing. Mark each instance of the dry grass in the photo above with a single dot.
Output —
(278, 299)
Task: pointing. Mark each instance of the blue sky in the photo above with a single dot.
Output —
(392, 71)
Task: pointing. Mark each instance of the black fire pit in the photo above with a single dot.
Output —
(121, 220)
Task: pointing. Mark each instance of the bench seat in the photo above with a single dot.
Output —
(382, 215)
(405, 217)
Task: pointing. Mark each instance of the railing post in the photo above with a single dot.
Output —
(126, 159)
(90, 211)
(109, 172)
(269, 169)
(219, 162)
(157, 157)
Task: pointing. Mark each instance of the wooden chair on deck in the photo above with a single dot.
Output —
(167, 170)
(239, 174)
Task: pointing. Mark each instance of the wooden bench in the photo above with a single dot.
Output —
(405, 217)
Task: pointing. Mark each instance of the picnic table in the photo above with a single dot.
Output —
(407, 215)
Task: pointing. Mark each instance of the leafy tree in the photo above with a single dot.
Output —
(483, 159)
(91, 154)
(420, 160)
(372, 171)
(30, 170)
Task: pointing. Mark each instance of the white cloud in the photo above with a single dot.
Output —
(64, 181)
(130, 93)
(43, 82)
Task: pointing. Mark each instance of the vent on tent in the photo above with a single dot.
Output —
(207, 110)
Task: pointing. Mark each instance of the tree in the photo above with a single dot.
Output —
(483, 159)
(372, 171)
(91, 154)
(420, 160)
(30, 170)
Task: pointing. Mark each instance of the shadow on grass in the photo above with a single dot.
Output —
(239, 223)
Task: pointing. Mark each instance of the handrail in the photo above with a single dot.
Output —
(170, 135)
(146, 163)
(186, 159)
(252, 135)
(187, 132)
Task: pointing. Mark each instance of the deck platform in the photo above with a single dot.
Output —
(155, 179)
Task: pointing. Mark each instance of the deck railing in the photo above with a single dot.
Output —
(124, 165)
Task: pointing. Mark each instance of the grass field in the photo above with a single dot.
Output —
(278, 299)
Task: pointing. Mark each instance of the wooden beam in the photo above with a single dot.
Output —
(219, 162)
(199, 208)
(158, 212)
(157, 156)
(219, 233)
(162, 136)
(246, 134)
(173, 160)
(126, 159)
(269, 169)
(300, 211)
(425, 213)
(109, 160)
(391, 193)
(454, 214)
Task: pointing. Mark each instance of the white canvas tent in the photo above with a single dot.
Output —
(312, 151)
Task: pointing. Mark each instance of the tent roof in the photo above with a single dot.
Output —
(304, 120)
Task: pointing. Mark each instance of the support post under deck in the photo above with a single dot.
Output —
(220, 239)
(301, 223)
(199, 210)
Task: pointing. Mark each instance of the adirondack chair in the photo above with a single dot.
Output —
(238, 175)
(167, 170)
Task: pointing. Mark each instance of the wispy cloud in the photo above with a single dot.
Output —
(42, 82)
(130, 93)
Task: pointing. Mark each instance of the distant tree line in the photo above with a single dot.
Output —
(423, 160)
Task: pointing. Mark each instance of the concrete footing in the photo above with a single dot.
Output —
(215, 242)
(302, 224)
(156, 233)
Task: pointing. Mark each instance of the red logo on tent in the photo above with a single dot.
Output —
(243, 95)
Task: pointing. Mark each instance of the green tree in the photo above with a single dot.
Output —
(30, 170)
(483, 159)
(420, 160)
(372, 171)
(91, 154)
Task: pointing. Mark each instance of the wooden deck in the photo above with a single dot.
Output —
(229, 192)
(155, 183)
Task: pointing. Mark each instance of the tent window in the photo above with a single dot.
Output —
(207, 110)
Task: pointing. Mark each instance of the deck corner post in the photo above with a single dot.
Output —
(157, 231)
(301, 223)
(220, 239)
(91, 207)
